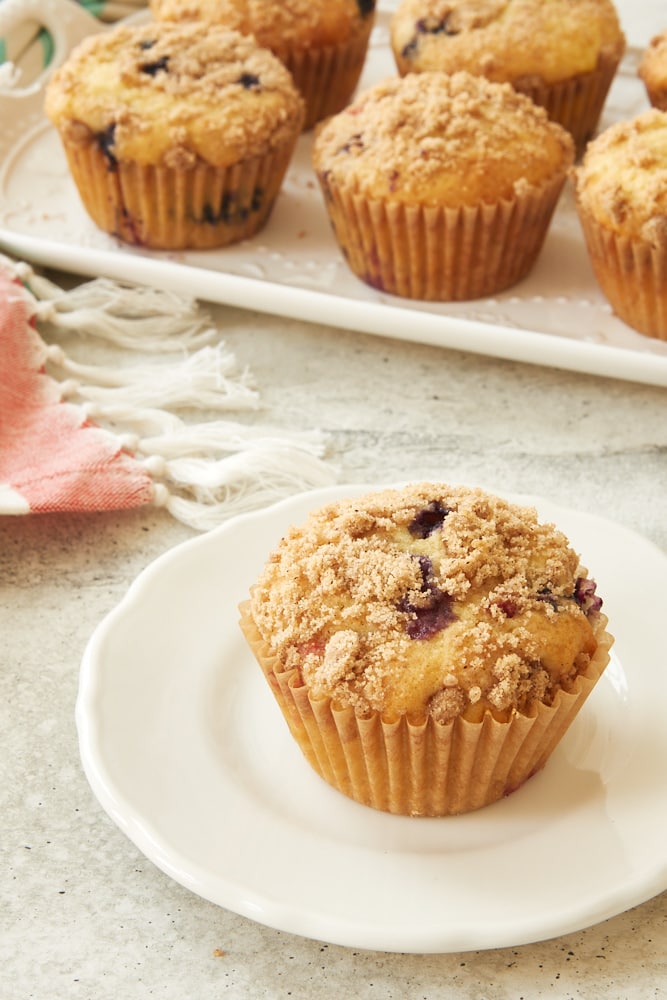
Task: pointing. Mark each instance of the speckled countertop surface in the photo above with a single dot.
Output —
(83, 913)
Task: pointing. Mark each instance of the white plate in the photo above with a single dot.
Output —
(187, 751)
(557, 316)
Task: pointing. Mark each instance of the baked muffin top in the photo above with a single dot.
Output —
(520, 41)
(431, 600)
(436, 139)
(653, 70)
(276, 25)
(622, 179)
(174, 95)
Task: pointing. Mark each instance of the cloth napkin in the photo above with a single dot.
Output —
(76, 436)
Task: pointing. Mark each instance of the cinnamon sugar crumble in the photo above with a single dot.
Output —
(443, 140)
(332, 602)
(507, 40)
(623, 177)
(275, 25)
(176, 94)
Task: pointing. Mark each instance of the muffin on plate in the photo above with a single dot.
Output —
(441, 187)
(323, 43)
(621, 200)
(562, 53)
(176, 136)
(428, 645)
(653, 70)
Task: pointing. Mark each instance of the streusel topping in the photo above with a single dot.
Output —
(623, 177)
(443, 140)
(430, 600)
(174, 94)
(275, 25)
(507, 40)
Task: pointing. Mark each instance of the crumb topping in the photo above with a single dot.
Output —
(441, 140)
(341, 595)
(507, 40)
(277, 26)
(622, 179)
(175, 94)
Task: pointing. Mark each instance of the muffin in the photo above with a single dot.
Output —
(428, 645)
(441, 187)
(323, 43)
(176, 136)
(653, 70)
(563, 54)
(621, 200)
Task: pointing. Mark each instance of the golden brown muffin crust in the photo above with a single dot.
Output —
(507, 40)
(428, 600)
(444, 140)
(622, 179)
(175, 94)
(276, 25)
(653, 70)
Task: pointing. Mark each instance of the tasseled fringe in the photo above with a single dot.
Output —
(203, 472)
(135, 318)
(204, 380)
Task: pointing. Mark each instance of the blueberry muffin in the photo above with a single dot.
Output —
(176, 136)
(621, 199)
(323, 43)
(441, 187)
(428, 646)
(563, 54)
(653, 70)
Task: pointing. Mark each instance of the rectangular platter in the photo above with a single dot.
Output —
(555, 317)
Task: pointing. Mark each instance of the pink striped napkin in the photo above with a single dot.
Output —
(77, 436)
(51, 457)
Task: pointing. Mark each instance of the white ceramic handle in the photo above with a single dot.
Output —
(65, 20)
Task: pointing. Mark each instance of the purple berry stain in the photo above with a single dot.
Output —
(428, 520)
(153, 68)
(585, 596)
(431, 617)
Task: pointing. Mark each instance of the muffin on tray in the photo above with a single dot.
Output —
(323, 43)
(621, 199)
(441, 187)
(561, 53)
(428, 646)
(653, 70)
(176, 136)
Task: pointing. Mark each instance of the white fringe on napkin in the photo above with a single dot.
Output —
(204, 471)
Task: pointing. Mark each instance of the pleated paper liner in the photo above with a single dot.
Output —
(576, 104)
(326, 75)
(440, 254)
(421, 767)
(165, 208)
(632, 274)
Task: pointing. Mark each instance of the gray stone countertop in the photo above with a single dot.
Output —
(83, 914)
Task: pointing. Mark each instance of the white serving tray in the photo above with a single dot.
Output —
(557, 316)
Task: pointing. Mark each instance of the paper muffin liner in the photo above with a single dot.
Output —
(421, 767)
(440, 254)
(657, 96)
(632, 274)
(327, 75)
(174, 209)
(577, 103)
